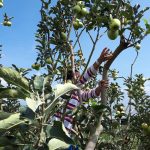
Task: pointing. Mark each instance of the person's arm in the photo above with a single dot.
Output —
(91, 71)
(94, 93)
(102, 84)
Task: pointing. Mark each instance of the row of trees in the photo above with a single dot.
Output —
(104, 124)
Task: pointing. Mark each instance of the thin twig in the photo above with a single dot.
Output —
(129, 115)
(78, 37)
(90, 37)
(93, 48)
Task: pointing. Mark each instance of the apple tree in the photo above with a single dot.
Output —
(104, 123)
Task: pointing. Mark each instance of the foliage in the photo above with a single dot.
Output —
(59, 45)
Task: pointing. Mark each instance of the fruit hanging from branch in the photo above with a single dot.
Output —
(80, 3)
(48, 60)
(80, 9)
(36, 66)
(63, 36)
(1, 3)
(77, 24)
(112, 34)
(7, 20)
(76, 8)
(137, 46)
(114, 24)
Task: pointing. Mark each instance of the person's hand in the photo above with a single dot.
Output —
(104, 83)
(105, 55)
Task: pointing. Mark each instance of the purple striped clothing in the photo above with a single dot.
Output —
(74, 101)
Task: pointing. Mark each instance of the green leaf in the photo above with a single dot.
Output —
(33, 102)
(4, 115)
(7, 140)
(58, 131)
(55, 144)
(12, 121)
(26, 112)
(60, 90)
(145, 21)
(13, 77)
(12, 93)
(10, 147)
(38, 82)
(100, 108)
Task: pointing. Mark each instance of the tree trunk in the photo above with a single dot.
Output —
(95, 135)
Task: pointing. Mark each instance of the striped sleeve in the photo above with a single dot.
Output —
(85, 95)
(91, 71)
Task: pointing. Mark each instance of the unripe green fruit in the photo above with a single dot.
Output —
(36, 66)
(76, 8)
(48, 61)
(137, 46)
(75, 25)
(7, 23)
(121, 108)
(1, 4)
(63, 36)
(144, 125)
(84, 11)
(80, 52)
(112, 34)
(13, 93)
(80, 24)
(80, 3)
(114, 74)
(114, 24)
(118, 112)
(141, 88)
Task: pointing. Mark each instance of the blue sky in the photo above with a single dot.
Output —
(19, 40)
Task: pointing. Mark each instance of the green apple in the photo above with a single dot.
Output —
(1, 4)
(84, 11)
(80, 52)
(143, 79)
(75, 25)
(36, 66)
(114, 74)
(112, 34)
(76, 8)
(142, 87)
(48, 60)
(80, 24)
(7, 23)
(121, 108)
(63, 36)
(114, 24)
(144, 125)
(118, 112)
(137, 46)
(80, 3)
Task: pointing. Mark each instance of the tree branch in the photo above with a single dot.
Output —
(94, 45)
(94, 136)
